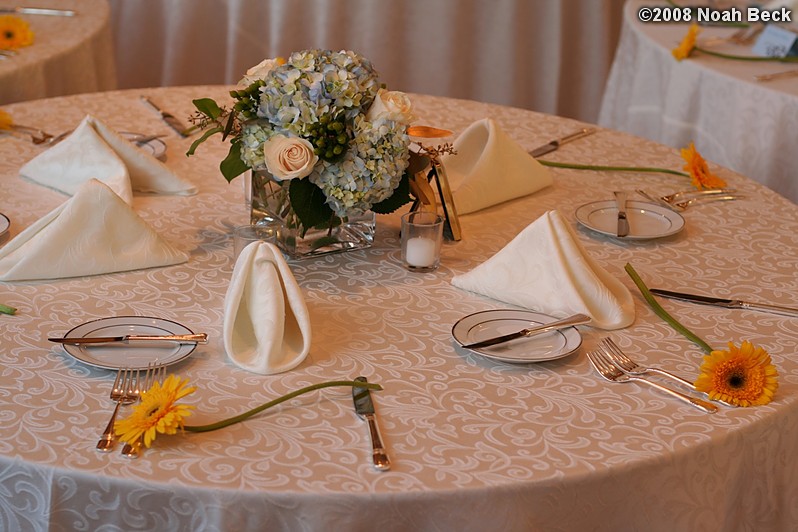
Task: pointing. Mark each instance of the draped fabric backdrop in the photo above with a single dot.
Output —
(551, 56)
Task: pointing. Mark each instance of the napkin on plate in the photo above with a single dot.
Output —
(93, 232)
(490, 168)
(95, 151)
(266, 320)
(546, 269)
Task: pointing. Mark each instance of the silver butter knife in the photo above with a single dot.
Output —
(623, 224)
(169, 118)
(201, 338)
(554, 144)
(38, 11)
(570, 321)
(365, 409)
(725, 303)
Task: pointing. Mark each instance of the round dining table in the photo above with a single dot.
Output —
(733, 119)
(69, 54)
(475, 443)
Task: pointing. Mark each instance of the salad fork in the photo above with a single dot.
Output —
(610, 372)
(154, 374)
(124, 392)
(620, 359)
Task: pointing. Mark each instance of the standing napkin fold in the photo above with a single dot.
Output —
(266, 320)
(546, 269)
(95, 151)
(93, 232)
(490, 168)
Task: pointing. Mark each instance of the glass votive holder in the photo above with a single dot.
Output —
(244, 235)
(422, 234)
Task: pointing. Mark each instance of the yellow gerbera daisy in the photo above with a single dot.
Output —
(687, 45)
(741, 376)
(699, 170)
(14, 33)
(157, 412)
(5, 120)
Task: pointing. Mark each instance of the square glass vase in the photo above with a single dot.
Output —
(270, 206)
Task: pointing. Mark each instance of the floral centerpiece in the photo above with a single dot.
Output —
(326, 142)
(14, 33)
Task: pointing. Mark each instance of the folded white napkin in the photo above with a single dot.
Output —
(266, 320)
(546, 269)
(490, 168)
(95, 151)
(93, 232)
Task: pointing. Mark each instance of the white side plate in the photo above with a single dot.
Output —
(491, 323)
(5, 223)
(646, 220)
(132, 355)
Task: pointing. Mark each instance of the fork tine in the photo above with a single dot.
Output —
(617, 356)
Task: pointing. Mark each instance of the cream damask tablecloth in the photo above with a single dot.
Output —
(69, 55)
(476, 444)
(742, 124)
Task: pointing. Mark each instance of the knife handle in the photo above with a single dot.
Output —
(787, 311)
(200, 338)
(378, 454)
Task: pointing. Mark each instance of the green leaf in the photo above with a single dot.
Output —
(400, 196)
(208, 107)
(232, 166)
(205, 136)
(309, 203)
(229, 126)
(323, 242)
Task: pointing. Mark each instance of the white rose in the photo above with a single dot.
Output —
(289, 158)
(259, 71)
(390, 105)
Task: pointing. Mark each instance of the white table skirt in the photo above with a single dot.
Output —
(739, 123)
(69, 55)
(551, 56)
(476, 444)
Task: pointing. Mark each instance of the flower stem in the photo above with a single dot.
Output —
(612, 168)
(662, 313)
(747, 57)
(286, 397)
(5, 309)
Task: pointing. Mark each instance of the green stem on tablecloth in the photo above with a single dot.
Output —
(748, 57)
(600, 168)
(241, 417)
(662, 313)
(5, 309)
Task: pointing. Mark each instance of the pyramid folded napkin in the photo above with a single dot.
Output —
(546, 269)
(95, 151)
(490, 167)
(93, 232)
(266, 320)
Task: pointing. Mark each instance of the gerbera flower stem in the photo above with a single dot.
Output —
(286, 397)
(747, 57)
(601, 168)
(662, 313)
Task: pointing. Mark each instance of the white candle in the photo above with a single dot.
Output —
(420, 252)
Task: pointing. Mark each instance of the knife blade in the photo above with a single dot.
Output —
(169, 118)
(365, 409)
(726, 303)
(623, 224)
(201, 338)
(570, 321)
(38, 11)
(554, 144)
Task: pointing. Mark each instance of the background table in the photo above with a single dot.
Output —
(69, 55)
(548, 56)
(742, 124)
(476, 444)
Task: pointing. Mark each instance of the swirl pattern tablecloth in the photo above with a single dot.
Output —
(476, 444)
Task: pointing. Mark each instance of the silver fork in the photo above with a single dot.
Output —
(620, 359)
(154, 374)
(123, 393)
(611, 373)
(706, 199)
(37, 136)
